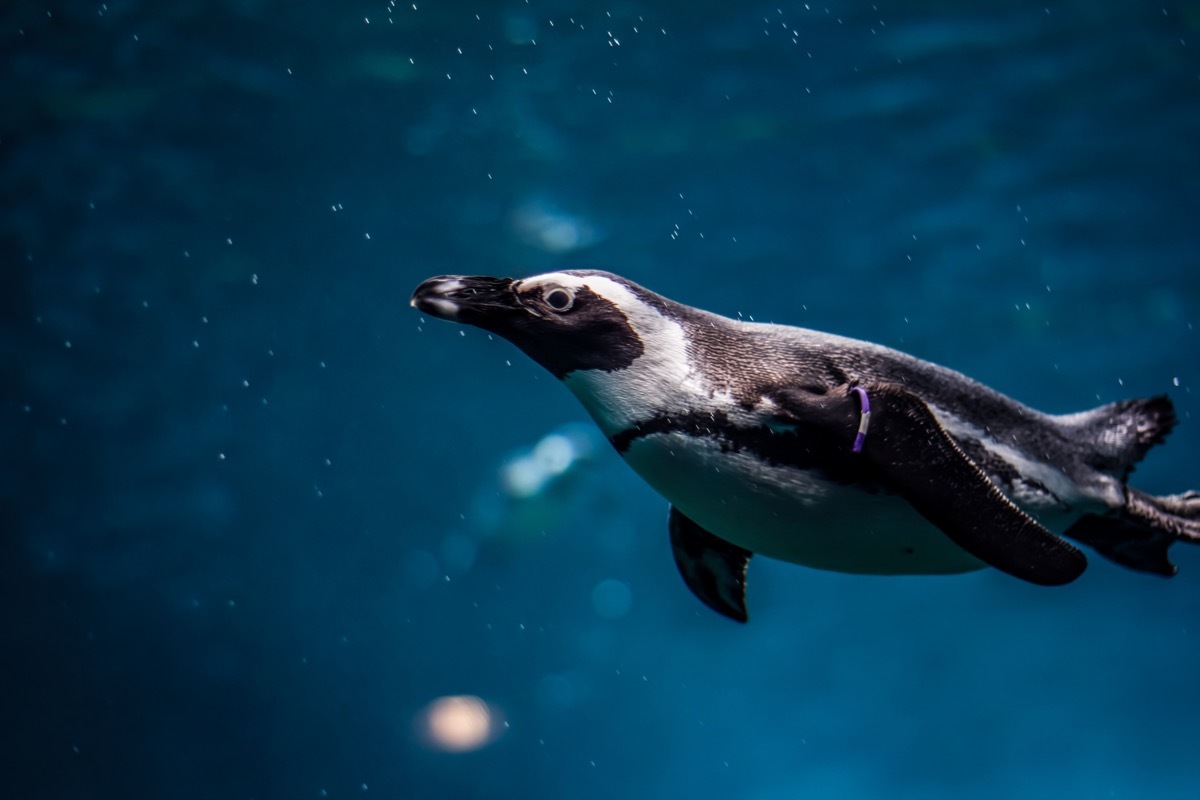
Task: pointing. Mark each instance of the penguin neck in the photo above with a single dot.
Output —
(661, 379)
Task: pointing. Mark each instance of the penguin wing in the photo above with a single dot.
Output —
(712, 568)
(906, 447)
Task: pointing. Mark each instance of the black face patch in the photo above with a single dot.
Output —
(591, 334)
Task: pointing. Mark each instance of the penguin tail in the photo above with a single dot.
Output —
(1121, 433)
(1139, 535)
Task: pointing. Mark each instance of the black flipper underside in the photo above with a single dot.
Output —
(1139, 535)
(712, 568)
(1125, 543)
(908, 449)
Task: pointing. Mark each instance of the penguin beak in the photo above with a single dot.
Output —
(474, 300)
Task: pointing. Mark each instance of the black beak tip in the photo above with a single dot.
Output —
(436, 297)
(448, 296)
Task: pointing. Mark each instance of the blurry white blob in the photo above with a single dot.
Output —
(458, 724)
(543, 224)
(529, 472)
(612, 598)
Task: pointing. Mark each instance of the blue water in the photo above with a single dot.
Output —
(258, 515)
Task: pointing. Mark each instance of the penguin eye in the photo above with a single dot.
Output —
(559, 299)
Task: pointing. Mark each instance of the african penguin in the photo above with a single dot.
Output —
(826, 451)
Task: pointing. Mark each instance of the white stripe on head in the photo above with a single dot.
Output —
(657, 381)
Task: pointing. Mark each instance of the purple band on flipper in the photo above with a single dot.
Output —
(864, 421)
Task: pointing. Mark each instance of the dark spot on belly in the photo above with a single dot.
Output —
(908, 551)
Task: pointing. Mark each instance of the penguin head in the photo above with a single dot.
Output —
(569, 322)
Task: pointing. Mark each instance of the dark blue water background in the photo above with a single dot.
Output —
(253, 507)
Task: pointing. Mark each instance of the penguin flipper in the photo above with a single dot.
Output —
(1140, 535)
(907, 447)
(712, 568)
(1124, 542)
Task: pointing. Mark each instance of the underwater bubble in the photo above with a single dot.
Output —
(530, 471)
(612, 598)
(556, 691)
(421, 568)
(522, 478)
(458, 724)
(555, 453)
(541, 223)
(520, 28)
(458, 552)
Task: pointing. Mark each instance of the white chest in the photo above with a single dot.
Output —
(792, 514)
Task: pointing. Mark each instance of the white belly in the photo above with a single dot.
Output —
(791, 514)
